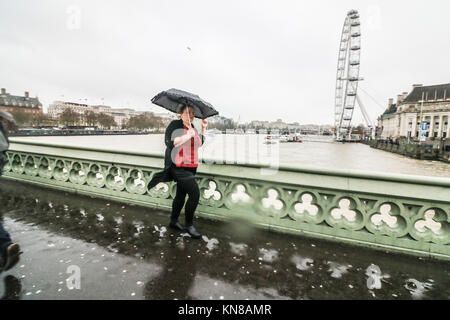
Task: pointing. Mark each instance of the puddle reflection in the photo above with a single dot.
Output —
(225, 264)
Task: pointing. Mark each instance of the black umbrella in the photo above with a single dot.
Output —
(7, 116)
(173, 99)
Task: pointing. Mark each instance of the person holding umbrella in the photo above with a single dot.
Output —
(181, 157)
(9, 251)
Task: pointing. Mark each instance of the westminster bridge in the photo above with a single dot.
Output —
(267, 229)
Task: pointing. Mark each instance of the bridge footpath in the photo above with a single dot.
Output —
(395, 213)
(81, 247)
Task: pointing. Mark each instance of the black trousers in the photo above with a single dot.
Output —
(186, 185)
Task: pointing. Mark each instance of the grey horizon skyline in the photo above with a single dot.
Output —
(253, 60)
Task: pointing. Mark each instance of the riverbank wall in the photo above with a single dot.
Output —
(73, 132)
(438, 150)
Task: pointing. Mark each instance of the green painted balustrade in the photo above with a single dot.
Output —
(396, 213)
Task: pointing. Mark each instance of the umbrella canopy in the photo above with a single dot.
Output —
(173, 99)
(7, 116)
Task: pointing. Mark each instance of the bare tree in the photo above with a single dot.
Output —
(69, 117)
(21, 117)
(144, 121)
(90, 118)
(106, 121)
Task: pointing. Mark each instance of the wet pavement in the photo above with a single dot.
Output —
(78, 247)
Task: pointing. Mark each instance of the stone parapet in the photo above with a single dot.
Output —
(401, 213)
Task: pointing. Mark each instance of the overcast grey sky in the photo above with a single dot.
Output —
(256, 59)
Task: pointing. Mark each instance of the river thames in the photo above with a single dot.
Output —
(236, 148)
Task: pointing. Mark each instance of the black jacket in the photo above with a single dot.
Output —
(174, 129)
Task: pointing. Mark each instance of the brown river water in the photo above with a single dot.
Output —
(240, 148)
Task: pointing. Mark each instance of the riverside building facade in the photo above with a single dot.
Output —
(25, 103)
(120, 115)
(425, 108)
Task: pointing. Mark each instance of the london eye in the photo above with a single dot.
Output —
(347, 75)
